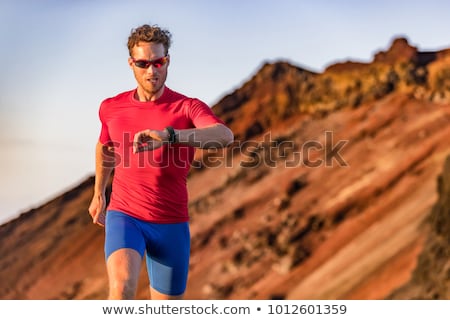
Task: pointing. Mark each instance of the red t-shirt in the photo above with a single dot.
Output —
(151, 185)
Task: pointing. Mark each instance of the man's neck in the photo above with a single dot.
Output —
(145, 96)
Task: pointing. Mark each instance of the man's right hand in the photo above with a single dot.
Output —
(97, 209)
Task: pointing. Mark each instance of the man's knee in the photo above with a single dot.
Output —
(123, 271)
(119, 290)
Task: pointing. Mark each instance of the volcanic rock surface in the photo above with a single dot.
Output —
(335, 188)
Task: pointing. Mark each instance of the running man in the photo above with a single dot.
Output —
(148, 138)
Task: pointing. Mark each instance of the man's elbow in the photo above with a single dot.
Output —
(228, 137)
(223, 137)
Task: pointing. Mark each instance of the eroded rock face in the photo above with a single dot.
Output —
(431, 278)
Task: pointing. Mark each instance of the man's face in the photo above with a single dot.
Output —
(151, 79)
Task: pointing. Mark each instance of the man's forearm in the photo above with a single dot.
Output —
(104, 165)
(216, 136)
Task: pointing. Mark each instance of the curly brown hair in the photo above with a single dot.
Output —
(147, 33)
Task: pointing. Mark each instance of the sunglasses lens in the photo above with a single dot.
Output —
(158, 63)
(142, 64)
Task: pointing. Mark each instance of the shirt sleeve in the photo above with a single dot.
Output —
(201, 114)
(104, 137)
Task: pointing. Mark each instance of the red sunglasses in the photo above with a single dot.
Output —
(157, 63)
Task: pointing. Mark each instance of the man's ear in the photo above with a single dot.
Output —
(130, 62)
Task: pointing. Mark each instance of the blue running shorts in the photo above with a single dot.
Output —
(167, 248)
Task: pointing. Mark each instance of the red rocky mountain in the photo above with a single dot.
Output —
(337, 187)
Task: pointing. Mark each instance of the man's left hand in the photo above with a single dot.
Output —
(147, 140)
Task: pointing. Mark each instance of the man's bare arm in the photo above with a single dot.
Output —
(215, 136)
(104, 165)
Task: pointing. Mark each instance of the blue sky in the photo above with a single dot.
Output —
(60, 59)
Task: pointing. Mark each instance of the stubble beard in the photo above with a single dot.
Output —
(154, 89)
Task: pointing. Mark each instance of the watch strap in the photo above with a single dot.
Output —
(172, 135)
